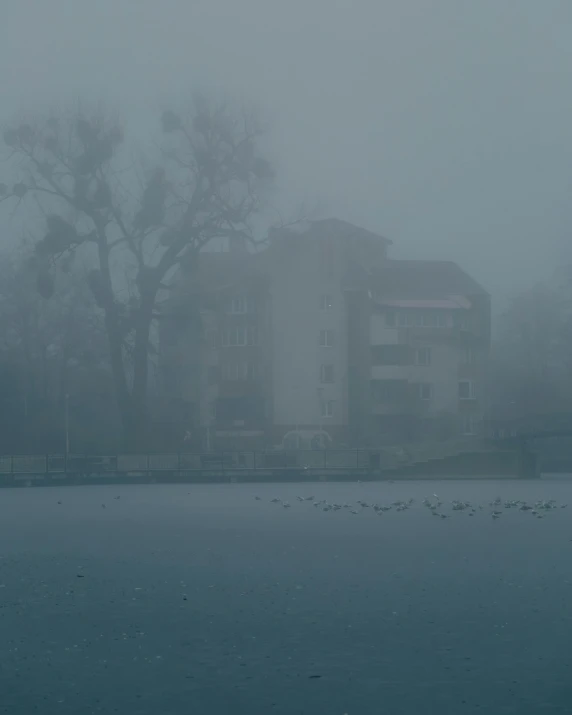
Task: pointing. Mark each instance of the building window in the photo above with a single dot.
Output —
(326, 373)
(212, 374)
(239, 371)
(234, 336)
(327, 408)
(422, 319)
(433, 319)
(326, 338)
(232, 371)
(441, 320)
(470, 426)
(468, 356)
(423, 356)
(238, 304)
(467, 390)
(239, 336)
(425, 390)
(390, 319)
(210, 338)
(326, 302)
(464, 322)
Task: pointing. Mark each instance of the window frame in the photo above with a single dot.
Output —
(239, 371)
(422, 318)
(473, 431)
(325, 332)
(235, 337)
(420, 391)
(326, 368)
(469, 355)
(418, 351)
(472, 393)
(238, 305)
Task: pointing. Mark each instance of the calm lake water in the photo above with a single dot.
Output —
(203, 599)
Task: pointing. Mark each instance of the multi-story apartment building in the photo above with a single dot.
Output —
(320, 338)
(429, 338)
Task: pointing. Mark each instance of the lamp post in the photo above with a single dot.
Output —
(67, 423)
(320, 393)
(296, 387)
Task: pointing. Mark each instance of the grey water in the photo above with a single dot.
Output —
(217, 599)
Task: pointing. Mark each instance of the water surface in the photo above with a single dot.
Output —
(178, 599)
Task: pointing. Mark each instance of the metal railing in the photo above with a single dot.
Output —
(208, 461)
(222, 461)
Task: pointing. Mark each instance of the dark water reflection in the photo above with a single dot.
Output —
(203, 599)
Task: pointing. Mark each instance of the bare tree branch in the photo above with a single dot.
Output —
(206, 188)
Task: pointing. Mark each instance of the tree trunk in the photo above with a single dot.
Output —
(115, 340)
(133, 403)
(122, 396)
(138, 421)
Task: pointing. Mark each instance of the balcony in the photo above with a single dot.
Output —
(390, 372)
(240, 388)
(400, 397)
(414, 406)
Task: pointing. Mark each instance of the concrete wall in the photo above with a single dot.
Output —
(304, 270)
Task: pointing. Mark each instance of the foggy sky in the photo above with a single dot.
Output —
(445, 125)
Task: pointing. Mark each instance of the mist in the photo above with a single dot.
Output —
(444, 126)
(285, 379)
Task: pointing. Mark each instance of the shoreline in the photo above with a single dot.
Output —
(43, 480)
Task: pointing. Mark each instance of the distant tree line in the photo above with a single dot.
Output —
(531, 361)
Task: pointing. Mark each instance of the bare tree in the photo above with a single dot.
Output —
(204, 186)
(530, 362)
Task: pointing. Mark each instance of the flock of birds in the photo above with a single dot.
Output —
(433, 504)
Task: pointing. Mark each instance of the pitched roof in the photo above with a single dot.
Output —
(423, 280)
(335, 226)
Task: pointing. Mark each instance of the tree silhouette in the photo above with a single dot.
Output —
(205, 185)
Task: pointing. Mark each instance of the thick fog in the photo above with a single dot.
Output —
(444, 126)
(287, 482)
